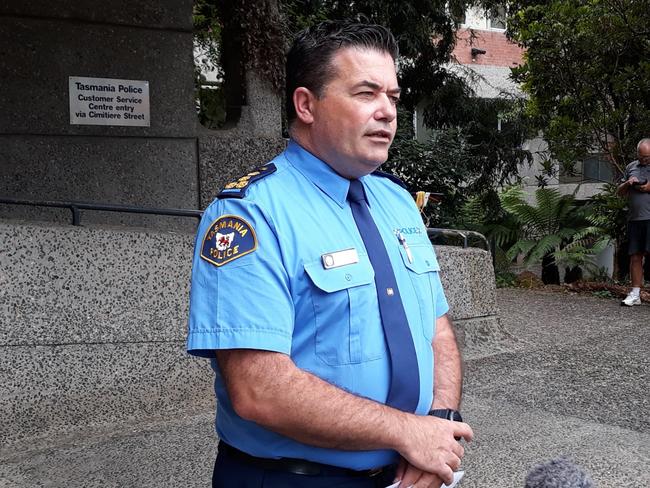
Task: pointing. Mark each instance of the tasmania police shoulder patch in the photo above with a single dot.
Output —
(237, 188)
(228, 238)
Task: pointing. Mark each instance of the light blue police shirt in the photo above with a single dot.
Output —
(280, 297)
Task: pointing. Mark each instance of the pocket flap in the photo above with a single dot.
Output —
(423, 258)
(335, 279)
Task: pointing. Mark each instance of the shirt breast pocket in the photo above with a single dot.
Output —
(422, 265)
(348, 324)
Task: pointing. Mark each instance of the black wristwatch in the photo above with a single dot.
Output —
(447, 414)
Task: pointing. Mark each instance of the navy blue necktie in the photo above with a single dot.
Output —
(404, 390)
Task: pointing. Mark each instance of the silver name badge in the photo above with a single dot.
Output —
(340, 258)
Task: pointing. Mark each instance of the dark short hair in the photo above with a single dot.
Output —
(310, 56)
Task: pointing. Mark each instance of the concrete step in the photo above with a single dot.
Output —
(167, 453)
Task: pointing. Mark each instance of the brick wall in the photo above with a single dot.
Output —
(499, 50)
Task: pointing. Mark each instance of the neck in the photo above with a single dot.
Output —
(348, 171)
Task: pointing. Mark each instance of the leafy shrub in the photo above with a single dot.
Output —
(506, 280)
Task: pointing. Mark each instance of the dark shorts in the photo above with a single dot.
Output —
(638, 235)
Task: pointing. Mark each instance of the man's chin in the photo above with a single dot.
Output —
(373, 164)
(377, 155)
(379, 160)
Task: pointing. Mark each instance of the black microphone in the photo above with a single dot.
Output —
(558, 473)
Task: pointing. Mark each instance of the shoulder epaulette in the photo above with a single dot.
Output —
(391, 177)
(237, 188)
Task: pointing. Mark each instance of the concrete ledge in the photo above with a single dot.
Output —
(483, 336)
(72, 285)
(468, 278)
(179, 452)
(50, 391)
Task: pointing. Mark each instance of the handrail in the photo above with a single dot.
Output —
(75, 207)
(465, 234)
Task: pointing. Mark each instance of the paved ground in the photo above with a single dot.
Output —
(574, 381)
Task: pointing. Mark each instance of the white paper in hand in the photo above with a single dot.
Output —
(458, 475)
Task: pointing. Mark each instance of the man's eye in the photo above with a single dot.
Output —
(394, 100)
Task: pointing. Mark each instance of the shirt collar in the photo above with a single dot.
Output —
(318, 172)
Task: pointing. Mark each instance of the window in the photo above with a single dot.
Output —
(595, 168)
(571, 174)
(497, 20)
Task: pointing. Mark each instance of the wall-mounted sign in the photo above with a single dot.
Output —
(106, 101)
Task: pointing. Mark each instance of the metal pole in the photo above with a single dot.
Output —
(76, 216)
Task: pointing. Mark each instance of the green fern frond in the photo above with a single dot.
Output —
(544, 246)
(520, 247)
(474, 211)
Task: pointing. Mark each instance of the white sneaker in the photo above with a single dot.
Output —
(631, 300)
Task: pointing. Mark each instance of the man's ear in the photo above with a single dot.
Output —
(303, 101)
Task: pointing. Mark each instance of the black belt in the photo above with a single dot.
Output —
(297, 466)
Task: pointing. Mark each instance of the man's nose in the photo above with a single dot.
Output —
(387, 110)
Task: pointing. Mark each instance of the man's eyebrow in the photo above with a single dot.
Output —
(375, 86)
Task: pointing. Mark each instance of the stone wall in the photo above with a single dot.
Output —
(44, 157)
(93, 321)
(468, 279)
(174, 163)
(92, 328)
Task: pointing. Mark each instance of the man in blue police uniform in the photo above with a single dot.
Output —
(316, 294)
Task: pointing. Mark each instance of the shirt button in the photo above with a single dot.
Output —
(348, 277)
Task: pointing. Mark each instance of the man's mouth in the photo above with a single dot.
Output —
(383, 135)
